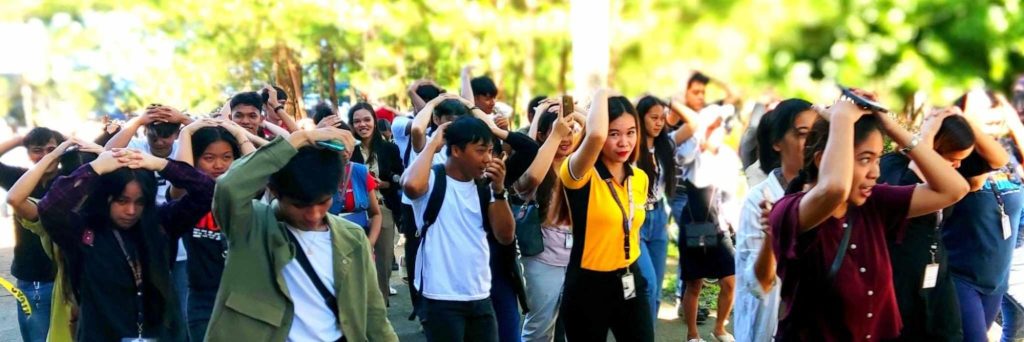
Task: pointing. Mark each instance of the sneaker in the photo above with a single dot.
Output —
(392, 291)
(695, 340)
(725, 338)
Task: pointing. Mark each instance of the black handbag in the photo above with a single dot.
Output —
(528, 234)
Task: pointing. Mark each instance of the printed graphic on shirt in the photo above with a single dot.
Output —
(207, 229)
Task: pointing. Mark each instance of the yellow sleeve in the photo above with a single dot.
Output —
(568, 179)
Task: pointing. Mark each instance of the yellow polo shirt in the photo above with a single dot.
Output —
(597, 220)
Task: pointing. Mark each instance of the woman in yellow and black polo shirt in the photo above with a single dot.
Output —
(603, 288)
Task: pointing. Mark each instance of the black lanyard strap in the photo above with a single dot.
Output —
(999, 197)
(627, 215)
(136, 268)
(837, 263)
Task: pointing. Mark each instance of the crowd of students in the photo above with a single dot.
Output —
(249, 225)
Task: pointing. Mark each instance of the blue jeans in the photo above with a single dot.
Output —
(653, 250)
(977, 310)
(543, 295)
(1013, 320)
(34, 328)
(200, 307)
(506, 308)
(678, 204)
(179, 275)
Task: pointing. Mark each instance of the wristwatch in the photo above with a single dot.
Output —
(500, 196)
(913, 143)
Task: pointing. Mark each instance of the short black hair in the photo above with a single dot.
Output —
(250, 98)
(163, 129)
(40, 136)
(698, 77)
(450, 107)
(467, 130)
(483, 86)
(296, 182)
(531, 107)
(428, 92)
(281, 95)
(322, 110)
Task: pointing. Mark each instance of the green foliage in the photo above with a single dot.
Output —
(103, 54)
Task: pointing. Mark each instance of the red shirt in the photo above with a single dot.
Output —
(350, 201)
(860, 304)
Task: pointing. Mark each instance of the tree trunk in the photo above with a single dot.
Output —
(289, 77)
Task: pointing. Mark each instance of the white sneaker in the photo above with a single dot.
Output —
(695, 340)
(392, 291)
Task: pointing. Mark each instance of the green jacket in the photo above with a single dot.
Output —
(253, 302)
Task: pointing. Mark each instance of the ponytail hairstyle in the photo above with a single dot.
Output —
(773, 128)
(817, 139)
(664, 149)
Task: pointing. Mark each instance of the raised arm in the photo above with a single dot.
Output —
(276, 107)
(466, 90)
(275, 129)
(248, 176)
(499, 214)
(688, 117)
(542, 108)
(10, 144)
(180, 215)
(128, 131)
(57, 208)
(731, 96)
(416, 178)
(418, 131)
(542, 162)
(18, 195)
(836, 168)
(597, 132)
(943, 186)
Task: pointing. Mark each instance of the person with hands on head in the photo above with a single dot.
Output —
(162, 124)
(544, 270)
(927, 294)
(456, 283)
(61, 306)
(273, 105)
(850, 267)
(603, 287)
(32, 269)
(211, 145)
(982, 232)
(293, 271)
(115, 240)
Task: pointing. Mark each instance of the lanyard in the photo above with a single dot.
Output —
(627, 215)
(777, 173)
(999, 197)
(137, 275)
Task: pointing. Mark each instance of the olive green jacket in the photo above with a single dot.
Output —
(253, 302)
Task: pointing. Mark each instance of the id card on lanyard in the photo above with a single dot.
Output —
(628, 281)
(1003, 218)
(135, 265)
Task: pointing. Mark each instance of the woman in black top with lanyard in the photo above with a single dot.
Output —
(381, 157)
(924, 288)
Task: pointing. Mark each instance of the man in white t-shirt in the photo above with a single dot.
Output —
(453, 263)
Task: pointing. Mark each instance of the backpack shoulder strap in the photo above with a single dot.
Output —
(436, 197)
(484, 193)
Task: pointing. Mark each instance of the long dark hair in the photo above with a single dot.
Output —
(816, 142)
(955, 134)
(663, 148)
(549, 192)
(376, 138)
(205, 136)
(773, 128)
(153, 250)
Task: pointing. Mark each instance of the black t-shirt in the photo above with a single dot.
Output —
(928, 314)
(206, 251)
(30, 260)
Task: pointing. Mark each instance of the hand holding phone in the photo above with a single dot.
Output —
(863, 102)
